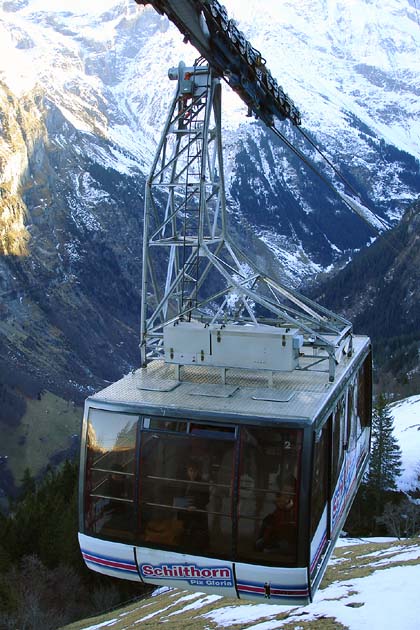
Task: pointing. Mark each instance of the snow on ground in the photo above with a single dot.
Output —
(366, 603)
(386, 597)
(406, 414)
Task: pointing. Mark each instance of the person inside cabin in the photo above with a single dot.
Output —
(193, 514)
(278, 529)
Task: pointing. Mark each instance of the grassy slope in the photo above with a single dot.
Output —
(171, 607)
(46, 428)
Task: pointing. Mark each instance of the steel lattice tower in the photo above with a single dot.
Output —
(191, 268)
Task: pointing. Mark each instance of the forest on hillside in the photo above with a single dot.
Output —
(45, 584)
(378, 291)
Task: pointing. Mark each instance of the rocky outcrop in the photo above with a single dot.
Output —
(21, 129)
(70, 276)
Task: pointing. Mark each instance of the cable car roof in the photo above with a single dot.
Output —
(298, 396)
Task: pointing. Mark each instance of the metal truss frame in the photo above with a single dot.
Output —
(192, 270)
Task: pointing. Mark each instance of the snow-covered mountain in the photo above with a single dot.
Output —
(353, 69)
(83, 95)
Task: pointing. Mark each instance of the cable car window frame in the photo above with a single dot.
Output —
(99, 505)
(320, 485)
(286, 552)
(215, 432)
(211, 435)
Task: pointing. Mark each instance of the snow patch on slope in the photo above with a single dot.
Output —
(406, 414)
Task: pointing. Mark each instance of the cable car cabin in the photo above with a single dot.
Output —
(224, 481)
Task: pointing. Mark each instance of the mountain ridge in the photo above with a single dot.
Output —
(83, 95)
(388, 311)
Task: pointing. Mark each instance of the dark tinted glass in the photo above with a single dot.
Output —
(268, 495)
(165, 424)
(364, 401)
(319, 478)
(199, 490)
(186, 492)
(339, 421)
(110, 468)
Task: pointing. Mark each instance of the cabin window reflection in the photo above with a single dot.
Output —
(165, 424)
(364, 401)
(353, 418)
(319, 478)
(110, 472)
(268, 495)
(339, 421)
(186, 492)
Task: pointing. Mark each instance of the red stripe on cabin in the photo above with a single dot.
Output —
(110, 563)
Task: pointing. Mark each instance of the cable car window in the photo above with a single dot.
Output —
(165, 424)
(268, 495)
(319, 479)
(364, 401)
(110, 469)
(339, 420)
(212, 432)
(186, 492)
(354, 427)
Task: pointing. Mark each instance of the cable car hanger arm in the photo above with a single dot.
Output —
(206, 25)
(230, 55)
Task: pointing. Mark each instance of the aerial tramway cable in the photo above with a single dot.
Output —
(347, 202)
(352, 207)
(341, 176)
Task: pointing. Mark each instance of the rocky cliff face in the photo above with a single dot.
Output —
(19, 125)
(70, 275)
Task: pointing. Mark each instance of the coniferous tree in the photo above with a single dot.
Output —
(28, 485)
(385, 461)
(43, 580)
